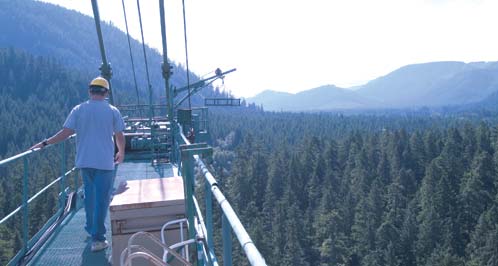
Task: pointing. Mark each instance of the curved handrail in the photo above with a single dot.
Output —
(155, 239)
(145, 255)
(163, 239)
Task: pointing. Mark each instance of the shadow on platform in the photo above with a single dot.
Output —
(94, 258)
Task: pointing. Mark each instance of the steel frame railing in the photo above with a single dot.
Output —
(230, 220)
(24, 156)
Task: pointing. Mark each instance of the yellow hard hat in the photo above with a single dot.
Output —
(101, 82)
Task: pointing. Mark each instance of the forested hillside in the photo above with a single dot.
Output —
(35, 96)
(399, 188)
(387, 188)
(325, 189)
(70, 38)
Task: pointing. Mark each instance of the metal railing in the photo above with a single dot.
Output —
(230, 221)
(27, 242)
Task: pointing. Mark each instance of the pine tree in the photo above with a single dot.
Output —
(257, 175)
(430, 217)
(6, 245)
(408, 235)
(482, 249)
(367, 219)
(476, 193)
(293, 250)
(469, 144)
(278, 234)
(418, 155)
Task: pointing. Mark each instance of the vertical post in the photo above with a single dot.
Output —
(195, 123)
(209, 214)
(188, 178)
(205, 119)
(63, 175)
(176, 150)
(200, 255)
(166, 70)
(105, 68)
(76, 176)
(25, 207)
(227, 241)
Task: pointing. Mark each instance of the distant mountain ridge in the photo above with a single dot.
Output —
(429, 84)
(326, 97)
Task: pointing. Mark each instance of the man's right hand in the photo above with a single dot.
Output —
(119, 157)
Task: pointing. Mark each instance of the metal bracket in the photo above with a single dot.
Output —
(188, 150)
(167, 70)
(120, 224)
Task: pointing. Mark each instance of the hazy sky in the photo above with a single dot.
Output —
(295, 45)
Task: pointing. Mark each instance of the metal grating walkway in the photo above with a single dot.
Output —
(70, 244)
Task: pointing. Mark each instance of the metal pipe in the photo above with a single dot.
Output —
(63, 176)
(149, 257)
(196, 87)
(155, 239)
(187, 173)
(105, 68)
(96, 16)
(184, 246)
(205, 171)
(75, 177)
(35, 196)
(209, 214)
(245, 241)
(163, 239)
(201, 83)
(131, 54)
(198, 245)
(166, 74)
(186, 52)
(49, 185)
(20, 155)
(151, 110)
(210, 249)
(25, 206)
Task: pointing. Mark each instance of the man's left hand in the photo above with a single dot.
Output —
(37, 146)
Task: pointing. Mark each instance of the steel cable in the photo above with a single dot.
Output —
(145, 59)
(186, 53)
(131, 56)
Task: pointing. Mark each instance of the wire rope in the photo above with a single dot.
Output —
(186, 53)
(145, 59)
(131, 56)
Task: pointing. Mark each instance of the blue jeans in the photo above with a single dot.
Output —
(98, 186)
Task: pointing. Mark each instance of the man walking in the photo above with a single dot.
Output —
(95, 122)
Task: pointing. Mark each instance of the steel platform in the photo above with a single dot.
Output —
(70, 244)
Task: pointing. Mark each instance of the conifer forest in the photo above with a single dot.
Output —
(395, 188)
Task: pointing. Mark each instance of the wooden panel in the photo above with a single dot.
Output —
(149, 193)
